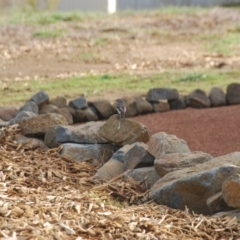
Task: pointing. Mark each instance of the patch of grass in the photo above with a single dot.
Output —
(117, 85)
(223, 43)
(46, 33)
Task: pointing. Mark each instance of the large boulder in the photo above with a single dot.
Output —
(217, 97)
(175, 161)
(231, 190)
(40, 98)
(85, 133)
(179, 103)
(8, 113)
(198, 99)
(156, 94)
(41, 124)
(103, 107)
(90, 114)
(97, 153)
(123, 131)
(192, 186)
(233, 93)
(162, 143)
(126, 158)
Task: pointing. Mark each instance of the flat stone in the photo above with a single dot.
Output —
(233, 93)
(198, 99)
(78, 103)
(146, 175)
(30, 106)
(162, 143)
(217, 97)
(156, 94)
(85, 133)
(231, 190)
(49, 108)
(40, 98)
(103, 107)
(143, 106)
(83, 152)
(8, 113)
(192, 186)
(175, 161)
(129, 132)
(161, 107)
(59, 102)
(41, 124)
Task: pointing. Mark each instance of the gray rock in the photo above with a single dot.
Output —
(143, 106)
(30, 106)
(49, 108)
(175, 161)
(90, 115)
(30, 143)
(162, 143)
(131, 106)
(198, 99)
(231, 190)
(41, 124)
(145, 175)
(103, 107)
(8, 113)
(216, 203)
(20, 116)
(161, 107)
(84, 152)
(156, 94)
(179, 103)
(78, 103)
(3, 123)
(65, 111)
(127, 157)
(233, 93)
(129, 131)
(40, 98)
(59, 102)
(217, 97)
(192, 186)
(86, 133)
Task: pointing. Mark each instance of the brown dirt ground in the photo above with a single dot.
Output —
(133, 43)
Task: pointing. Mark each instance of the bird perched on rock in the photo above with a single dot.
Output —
(121, 110)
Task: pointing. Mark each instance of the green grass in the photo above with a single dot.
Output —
(46, 33)
(101, 85)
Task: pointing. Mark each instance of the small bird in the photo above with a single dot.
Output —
(121, 110)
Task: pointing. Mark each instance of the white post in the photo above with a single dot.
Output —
(112, 6)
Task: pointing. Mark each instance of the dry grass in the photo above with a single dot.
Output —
(46, 196)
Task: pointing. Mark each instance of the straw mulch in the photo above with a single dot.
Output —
(46, 196)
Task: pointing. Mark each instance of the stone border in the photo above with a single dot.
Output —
(156, 100)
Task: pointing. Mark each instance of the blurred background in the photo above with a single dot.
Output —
(109, 6)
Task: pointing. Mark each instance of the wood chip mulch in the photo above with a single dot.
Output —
(44, 195)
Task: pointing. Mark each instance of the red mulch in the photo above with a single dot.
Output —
(215, 130)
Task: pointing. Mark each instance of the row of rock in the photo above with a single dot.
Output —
(157, 100)
(174, 175)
